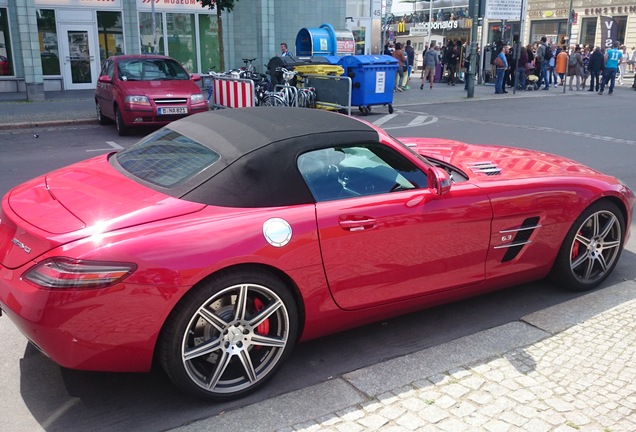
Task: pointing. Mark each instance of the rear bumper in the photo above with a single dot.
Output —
(112, 329)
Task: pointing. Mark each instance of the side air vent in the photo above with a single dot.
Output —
(488, 168)
(521, 238)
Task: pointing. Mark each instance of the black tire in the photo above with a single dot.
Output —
(390, 109)
(100, 117)
(591, 248)
(212, 350)
(122, 129)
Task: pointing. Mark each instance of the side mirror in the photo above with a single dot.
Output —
(105, 79)
(439, 181)
(195, 77)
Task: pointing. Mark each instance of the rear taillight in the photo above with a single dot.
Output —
(64, 272)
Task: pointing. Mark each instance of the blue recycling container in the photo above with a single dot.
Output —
(372, 79)
(324, 41)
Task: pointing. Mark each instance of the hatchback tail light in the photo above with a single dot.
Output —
(61, 272)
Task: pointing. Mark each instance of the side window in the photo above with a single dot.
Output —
(110, 70)
(361, 170)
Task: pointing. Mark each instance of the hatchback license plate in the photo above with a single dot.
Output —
(173, 110)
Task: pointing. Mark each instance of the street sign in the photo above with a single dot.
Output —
(503, 9)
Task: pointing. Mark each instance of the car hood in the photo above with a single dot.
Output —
(497, 162)
(78, 201)
(161, 89)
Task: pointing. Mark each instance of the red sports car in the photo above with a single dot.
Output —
(219, 241)
(146, 90)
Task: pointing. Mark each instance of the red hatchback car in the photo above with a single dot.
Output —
(146, 90)
(218, 242)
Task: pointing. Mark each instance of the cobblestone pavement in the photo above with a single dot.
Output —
(583, 379)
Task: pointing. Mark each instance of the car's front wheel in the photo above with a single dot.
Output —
(122, 129)
(229, 335)
(592, 247)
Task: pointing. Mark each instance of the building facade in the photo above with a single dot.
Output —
(48, 45)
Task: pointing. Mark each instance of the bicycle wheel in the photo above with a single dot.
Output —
(273, 100)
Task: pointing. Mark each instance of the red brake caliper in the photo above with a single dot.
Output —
(263, 328)
(575, 248)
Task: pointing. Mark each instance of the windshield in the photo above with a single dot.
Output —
(151, 69)
(166, 158)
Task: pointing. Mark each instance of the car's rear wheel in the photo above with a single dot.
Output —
(100, 117)
(229, 335)
(592, 247)
(122, 129)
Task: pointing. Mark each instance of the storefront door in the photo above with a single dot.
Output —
(79, 51)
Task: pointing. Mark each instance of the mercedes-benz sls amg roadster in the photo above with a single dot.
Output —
(216, 243)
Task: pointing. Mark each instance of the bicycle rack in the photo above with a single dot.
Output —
(332, 92)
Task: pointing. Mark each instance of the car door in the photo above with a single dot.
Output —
(384, 235)
(105, 92)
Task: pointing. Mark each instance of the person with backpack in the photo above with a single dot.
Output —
(544, 54)
(575, 63)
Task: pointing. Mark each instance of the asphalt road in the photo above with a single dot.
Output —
(36, 394)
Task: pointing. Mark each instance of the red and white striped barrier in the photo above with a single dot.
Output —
(233, 92)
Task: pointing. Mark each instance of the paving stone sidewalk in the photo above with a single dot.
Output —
(569, 368)
(583, 379)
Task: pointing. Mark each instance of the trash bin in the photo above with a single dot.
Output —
(324, 40)
(288, 63)
(372, 80)
(321, 65)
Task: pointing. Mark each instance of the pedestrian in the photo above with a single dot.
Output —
(595, 68)
(575, 63)
(509, 74)
(501, 64)
(632, 61)
(612, 58)
(622, 64)
(552, 75)
(561, 64)
(431, 60)
(410, 57)
(541, 61)
(522, 64)
(284, 50)
(398, 54)
(585, 56)
(452, 58)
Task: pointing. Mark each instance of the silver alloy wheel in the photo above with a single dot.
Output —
(596, 246)
(235, 338)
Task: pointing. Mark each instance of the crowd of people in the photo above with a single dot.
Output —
(543, 65)
(536, 66)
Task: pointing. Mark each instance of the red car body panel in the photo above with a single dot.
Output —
(349, 262)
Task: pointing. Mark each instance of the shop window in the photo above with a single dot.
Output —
(555, 31)
(6, 62)
(147, 36)
(181, 39)
(209, 42)
(110, 34)
(47, 35)
(588, 31)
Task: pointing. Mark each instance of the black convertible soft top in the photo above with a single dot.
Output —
(259, 148)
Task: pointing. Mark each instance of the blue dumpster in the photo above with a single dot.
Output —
(324, 41)
(372, 80)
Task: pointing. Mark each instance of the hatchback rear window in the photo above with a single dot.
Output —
(166, 158)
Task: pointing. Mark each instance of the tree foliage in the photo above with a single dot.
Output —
(221, 6)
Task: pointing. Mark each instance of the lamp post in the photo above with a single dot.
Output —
(570, 19)
(470, 92)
